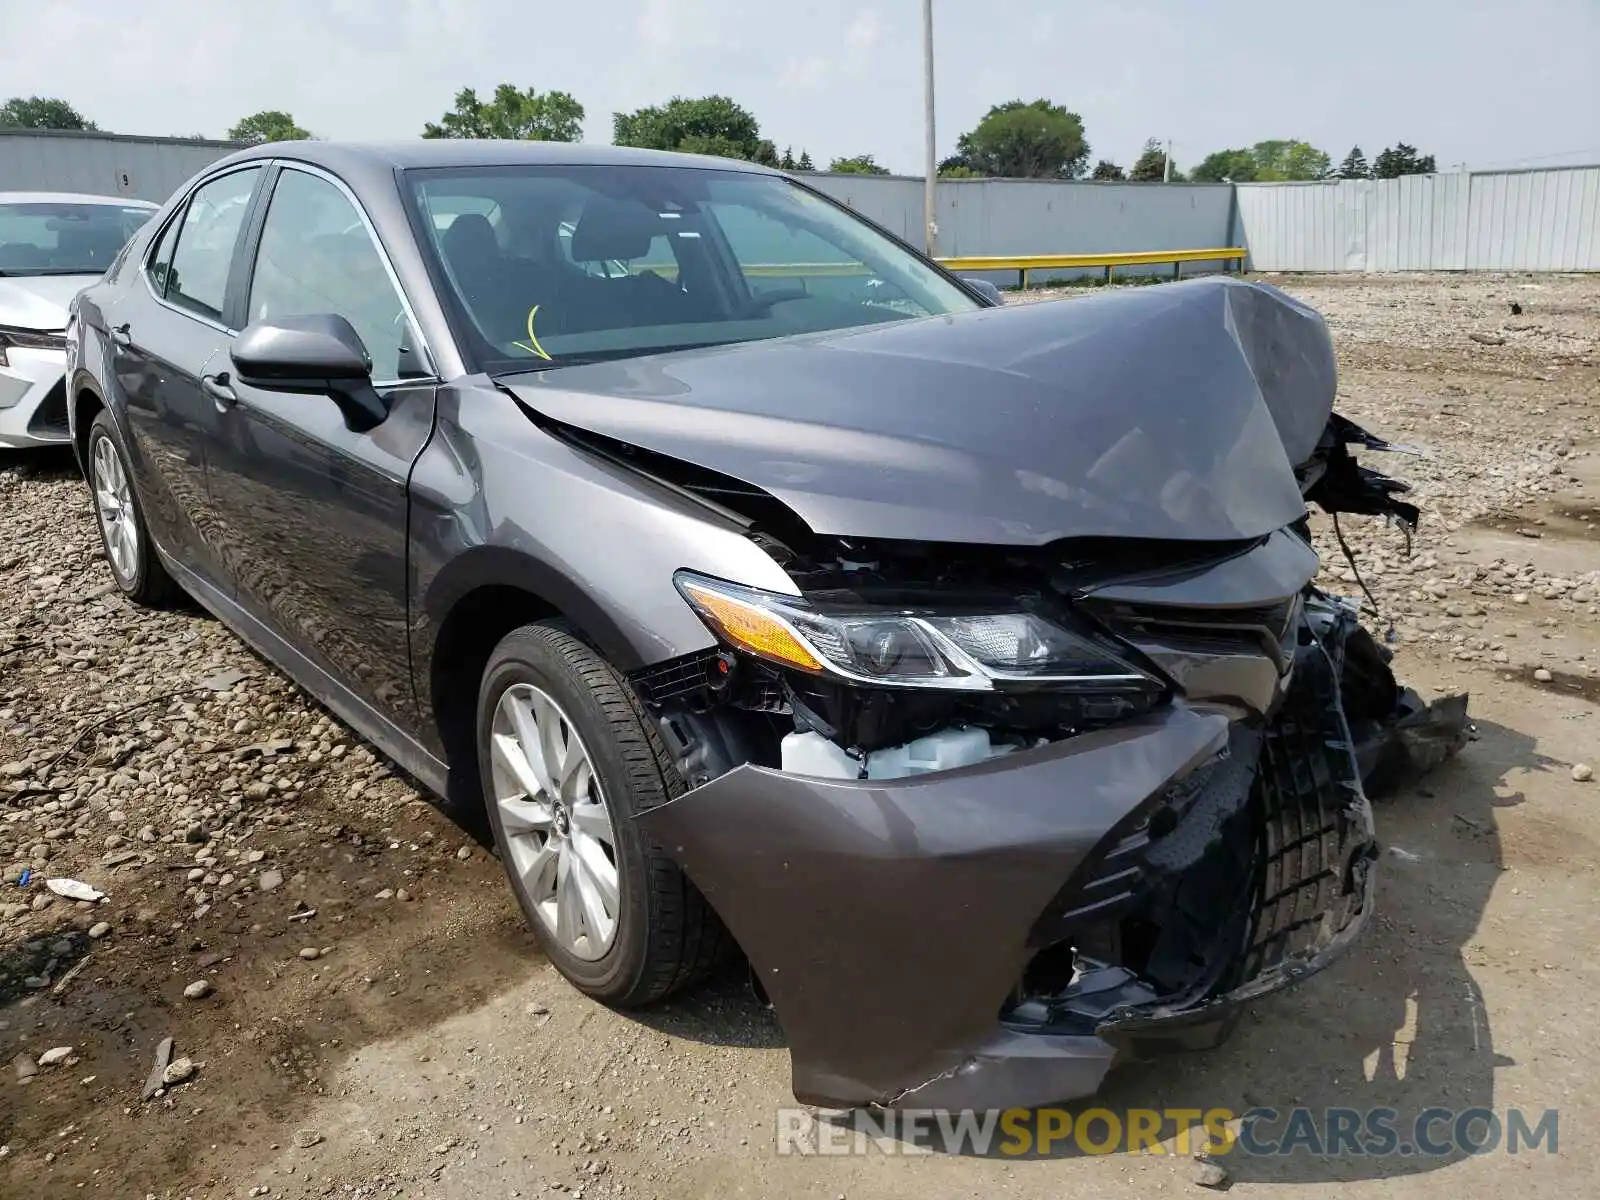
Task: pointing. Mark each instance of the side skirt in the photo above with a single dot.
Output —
(371, 724)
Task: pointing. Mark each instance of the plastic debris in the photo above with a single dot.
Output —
(153, 1084)
(222, 680)
(74, 889)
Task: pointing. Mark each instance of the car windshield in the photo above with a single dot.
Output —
(64, 237)
(556, 265)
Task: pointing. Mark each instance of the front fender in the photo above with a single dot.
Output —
(496, 501)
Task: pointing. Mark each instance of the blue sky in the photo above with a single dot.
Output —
(1488, 83)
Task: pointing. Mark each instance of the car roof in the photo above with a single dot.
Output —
(74, 198)
(473, 152)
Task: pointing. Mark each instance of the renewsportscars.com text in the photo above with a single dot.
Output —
(1044, 1132)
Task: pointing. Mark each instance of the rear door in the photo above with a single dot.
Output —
(313, 512)
(165, 335)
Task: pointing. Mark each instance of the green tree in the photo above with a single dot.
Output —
(42, 112)
(1354, 165)
(805, 163)
(1401, 159)
(786, 162)
(1225, 166)
(1281, 160)
(957, 170)
(271, 125)
(708, 125)
(861, 164)
(1106, 169)
(1027, 140)
(1151, 165)
(521, 115)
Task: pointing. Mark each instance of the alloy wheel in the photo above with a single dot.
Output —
(556, 823)
(114, 508)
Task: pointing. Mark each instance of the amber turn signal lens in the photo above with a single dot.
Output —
(750, 628)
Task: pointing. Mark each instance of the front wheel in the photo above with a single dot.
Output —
(124, 536)
(567, 759)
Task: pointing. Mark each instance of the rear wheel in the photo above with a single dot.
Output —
(567, 759)
(123, 533)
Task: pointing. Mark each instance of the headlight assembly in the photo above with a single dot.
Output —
(965, 651)
(28, 339)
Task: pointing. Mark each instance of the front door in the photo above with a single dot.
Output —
(313, 512)
(165, 337)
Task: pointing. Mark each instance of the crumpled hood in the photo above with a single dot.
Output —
(39, 301)
(1162, 412)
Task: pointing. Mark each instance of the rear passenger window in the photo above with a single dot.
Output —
(198, 276)
(159, 266)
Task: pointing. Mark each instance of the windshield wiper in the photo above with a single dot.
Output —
(599, 356)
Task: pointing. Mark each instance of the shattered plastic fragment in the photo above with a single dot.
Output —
(74, 889)
(153, 1084)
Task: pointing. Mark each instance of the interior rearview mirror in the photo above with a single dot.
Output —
(319, 354)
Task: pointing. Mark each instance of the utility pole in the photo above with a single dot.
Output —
(930, 230)
(1166, 164)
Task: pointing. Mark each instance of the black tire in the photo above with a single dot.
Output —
(146, 581)
(667, 936)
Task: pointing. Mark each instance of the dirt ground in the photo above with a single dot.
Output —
(378, 1023)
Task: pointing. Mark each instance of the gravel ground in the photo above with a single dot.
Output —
(361, 1013)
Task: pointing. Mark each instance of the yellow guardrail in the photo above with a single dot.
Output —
(1020, 263)
(1023, 263)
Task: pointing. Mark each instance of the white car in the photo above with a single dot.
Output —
(52, 246)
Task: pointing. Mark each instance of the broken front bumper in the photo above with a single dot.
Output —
(898, 926)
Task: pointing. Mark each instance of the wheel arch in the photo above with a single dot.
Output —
(84, 401)
(470, 606)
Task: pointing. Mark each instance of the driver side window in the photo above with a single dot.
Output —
(316, 256)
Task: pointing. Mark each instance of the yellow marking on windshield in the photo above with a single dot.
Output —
(532, 344)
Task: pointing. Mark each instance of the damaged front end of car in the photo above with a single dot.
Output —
(980, 894)
(986, 818)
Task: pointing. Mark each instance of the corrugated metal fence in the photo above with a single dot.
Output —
(102, 164)
(1540, 220)
(985, 217)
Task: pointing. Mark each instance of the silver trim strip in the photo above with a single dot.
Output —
(424, 350)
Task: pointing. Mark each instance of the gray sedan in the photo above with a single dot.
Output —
(773, 590)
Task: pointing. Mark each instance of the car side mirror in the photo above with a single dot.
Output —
(984, 288)
(319, 354)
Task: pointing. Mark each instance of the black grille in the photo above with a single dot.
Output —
(50, 418)
(1271, 839)
(1186, 823)
(676, 679)
(1315, 826)
(1268, 628)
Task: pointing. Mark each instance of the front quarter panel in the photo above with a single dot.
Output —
(495, 501)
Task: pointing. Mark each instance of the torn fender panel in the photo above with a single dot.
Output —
(1331, 478)
(888, 920)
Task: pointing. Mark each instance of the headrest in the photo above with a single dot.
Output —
(609, 228)
(470, 239)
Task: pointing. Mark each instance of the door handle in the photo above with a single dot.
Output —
(120, 335)
(219, 389)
